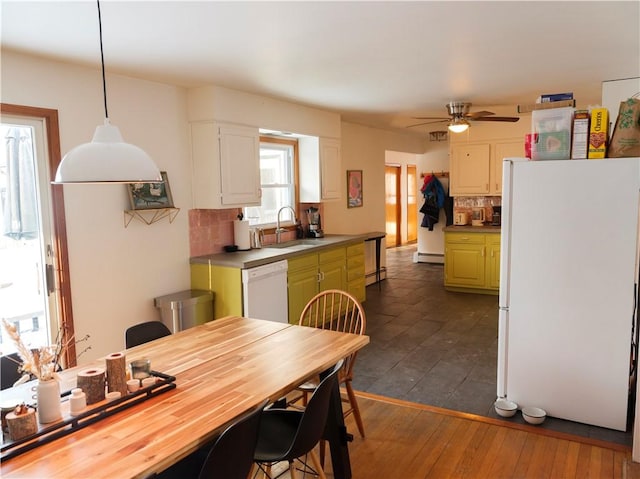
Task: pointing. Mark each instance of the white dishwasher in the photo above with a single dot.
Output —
(264, 291)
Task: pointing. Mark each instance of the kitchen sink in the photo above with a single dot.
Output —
(301, 243)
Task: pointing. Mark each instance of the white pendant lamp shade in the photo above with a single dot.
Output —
(107, 159)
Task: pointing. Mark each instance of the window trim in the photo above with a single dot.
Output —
(270, 228)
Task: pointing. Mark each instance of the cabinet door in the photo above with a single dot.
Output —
(464, 265)
(302, 286)
(510, 149)
(330, 169)
(469, 169)
(333, 275)
(493, 261)
(226, 284)
(239, 166)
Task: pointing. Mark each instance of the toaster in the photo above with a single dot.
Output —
(461, 218)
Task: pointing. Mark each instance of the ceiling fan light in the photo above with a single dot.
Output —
(458, 125)
(107, 159)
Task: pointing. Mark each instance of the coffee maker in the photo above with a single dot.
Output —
(496, 217)
(315, 227)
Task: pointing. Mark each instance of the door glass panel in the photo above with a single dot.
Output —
(23, 288)
(412, 203)
(392, 205)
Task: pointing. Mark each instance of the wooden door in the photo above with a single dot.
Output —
(412, 204)
(392, 205)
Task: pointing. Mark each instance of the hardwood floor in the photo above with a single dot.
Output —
(414, 441)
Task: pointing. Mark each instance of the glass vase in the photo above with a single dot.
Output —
(48, 400)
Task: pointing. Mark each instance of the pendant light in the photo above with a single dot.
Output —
(107, 158)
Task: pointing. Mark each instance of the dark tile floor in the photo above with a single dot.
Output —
(436, 347)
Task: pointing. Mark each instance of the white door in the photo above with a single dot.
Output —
(27, 290)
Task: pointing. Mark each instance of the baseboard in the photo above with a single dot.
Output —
(428, 258)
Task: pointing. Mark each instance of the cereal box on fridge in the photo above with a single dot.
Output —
(598, 133)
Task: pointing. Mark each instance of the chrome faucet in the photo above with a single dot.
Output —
(280, 230)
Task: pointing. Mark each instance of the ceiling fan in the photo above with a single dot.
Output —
(459, 117)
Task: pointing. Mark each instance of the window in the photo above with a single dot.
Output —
(277, 178)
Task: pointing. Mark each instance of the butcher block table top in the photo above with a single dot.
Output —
(223, 368)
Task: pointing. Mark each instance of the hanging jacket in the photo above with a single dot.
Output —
(434, 199)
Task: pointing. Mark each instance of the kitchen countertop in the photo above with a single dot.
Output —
(471, 229)
(270, 253)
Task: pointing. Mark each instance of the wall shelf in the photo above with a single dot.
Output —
(150, 216)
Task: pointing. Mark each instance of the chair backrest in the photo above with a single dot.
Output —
(144, 332)
(9, 372)
(231, 456)
(315, 415)
(338, 311)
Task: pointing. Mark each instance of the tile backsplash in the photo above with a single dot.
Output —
(465, 203)
(210, 230)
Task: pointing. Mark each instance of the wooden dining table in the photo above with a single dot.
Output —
(222, 368)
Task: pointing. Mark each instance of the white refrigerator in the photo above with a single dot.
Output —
(568, 287)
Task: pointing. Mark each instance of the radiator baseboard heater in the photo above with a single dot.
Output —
(428, 258)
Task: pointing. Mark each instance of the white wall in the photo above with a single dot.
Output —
(233, 106)
(115, 271)
(365, 148)
(431, 243)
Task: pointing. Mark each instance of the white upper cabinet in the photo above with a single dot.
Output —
(476, 168)
(470, 169)
(226, 165)
(320, 169)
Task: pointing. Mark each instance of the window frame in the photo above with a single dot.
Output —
(289, 225)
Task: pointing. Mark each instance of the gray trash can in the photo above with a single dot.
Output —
(185, 309)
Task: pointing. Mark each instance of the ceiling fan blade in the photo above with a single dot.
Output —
(511, 119)
(428, 123)
(476, 114)
(431, 118)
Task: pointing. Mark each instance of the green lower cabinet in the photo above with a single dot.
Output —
(312, 273)
(356, 284)
(472, 262)
(302, 286)
(493, 261)
(226, 284)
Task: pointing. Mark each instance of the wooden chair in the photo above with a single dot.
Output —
(338, 311)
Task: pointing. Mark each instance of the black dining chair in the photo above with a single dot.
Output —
(144, 332)
(288, 434)
(9, 370)
(230, 456)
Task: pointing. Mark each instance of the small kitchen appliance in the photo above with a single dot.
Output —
(496, 217)
(461, 218)
(315, 226)
(477, 216)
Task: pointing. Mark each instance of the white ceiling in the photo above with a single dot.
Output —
(377, 63)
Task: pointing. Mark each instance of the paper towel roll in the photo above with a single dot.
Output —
(241, 234)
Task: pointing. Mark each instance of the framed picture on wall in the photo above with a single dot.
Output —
(146, 196)
(354, 188)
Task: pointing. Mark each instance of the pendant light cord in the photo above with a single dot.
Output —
(104, 79)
